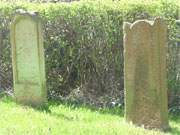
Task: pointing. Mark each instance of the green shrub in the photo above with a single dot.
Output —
(84, 46)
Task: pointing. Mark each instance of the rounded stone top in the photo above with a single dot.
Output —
(24, 12)
(142, 23)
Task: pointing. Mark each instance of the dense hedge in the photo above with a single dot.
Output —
(84, 46)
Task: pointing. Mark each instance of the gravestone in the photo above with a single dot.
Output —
(28, 59)
(145, 73)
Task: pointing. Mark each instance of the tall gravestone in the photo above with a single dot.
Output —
(28, 59)
(145, 73)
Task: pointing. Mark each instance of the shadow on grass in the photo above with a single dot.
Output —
(72, 105)
(175, 119)
(117, 111)
(174, 131)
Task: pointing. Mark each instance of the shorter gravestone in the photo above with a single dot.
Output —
(145, 73)
(28, 59)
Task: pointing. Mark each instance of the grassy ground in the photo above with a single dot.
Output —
(69, 119)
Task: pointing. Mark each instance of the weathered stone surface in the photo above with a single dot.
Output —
(28, 59)
(145, 73)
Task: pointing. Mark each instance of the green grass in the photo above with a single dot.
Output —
(69, 119)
